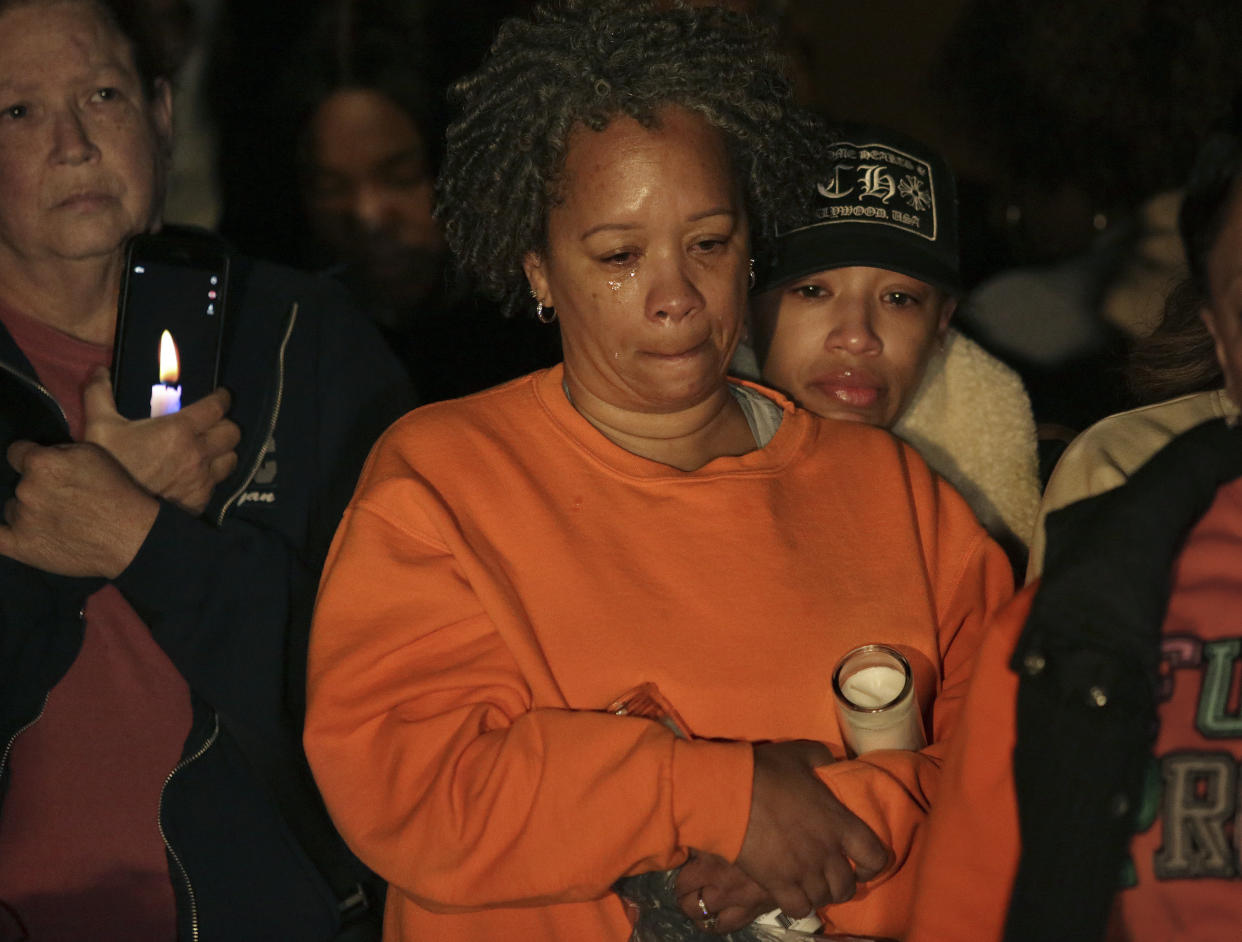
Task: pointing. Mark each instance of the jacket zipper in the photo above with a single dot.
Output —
(271, 425)
(34, 384)
(4, 759)
(215, 732)
(159, 820)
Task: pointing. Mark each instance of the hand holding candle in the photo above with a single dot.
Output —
(801, 807)
(166, 394)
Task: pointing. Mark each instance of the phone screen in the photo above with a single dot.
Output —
(168, 333)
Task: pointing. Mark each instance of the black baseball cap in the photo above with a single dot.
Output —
(873, 198)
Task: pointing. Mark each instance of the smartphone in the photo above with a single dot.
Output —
(170, 320)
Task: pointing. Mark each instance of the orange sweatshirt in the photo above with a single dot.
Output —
(970, 853)
(505, 572)
(1181, 878)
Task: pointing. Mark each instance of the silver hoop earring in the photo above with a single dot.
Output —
(752, 274)
(544, 318)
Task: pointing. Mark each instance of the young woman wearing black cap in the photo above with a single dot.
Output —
(852, 314)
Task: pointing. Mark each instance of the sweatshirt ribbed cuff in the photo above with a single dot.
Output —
(711, 794)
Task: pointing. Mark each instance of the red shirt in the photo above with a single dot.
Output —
(1186, 852)
(81, 855)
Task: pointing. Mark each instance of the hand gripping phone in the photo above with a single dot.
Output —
(170, 320)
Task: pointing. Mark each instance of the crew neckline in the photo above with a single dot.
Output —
(784, 445)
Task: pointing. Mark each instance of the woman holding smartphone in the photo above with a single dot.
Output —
(156, 575)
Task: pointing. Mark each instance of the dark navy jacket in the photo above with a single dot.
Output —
(228, 597)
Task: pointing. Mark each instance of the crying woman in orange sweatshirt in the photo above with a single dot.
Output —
(515, 561)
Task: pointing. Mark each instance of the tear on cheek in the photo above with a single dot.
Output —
(616, 284)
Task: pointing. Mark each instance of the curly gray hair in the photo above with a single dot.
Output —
(584, 62)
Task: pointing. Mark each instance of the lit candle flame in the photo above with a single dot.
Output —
(170, 361)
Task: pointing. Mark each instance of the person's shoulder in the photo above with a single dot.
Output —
(494, 413)
(898, 482)
(444, 440)
(860, 449)
(1109, 452)
(318, 293)
(1159, 420)
(271, 299)
(968, 362)
(854, 441)
(1113, 448)
(315, 309)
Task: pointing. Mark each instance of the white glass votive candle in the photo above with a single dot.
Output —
(876, 702)
(877, 709)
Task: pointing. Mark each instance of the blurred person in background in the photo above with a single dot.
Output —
(1092, 110)
(368, 126)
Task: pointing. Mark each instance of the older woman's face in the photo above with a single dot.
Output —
(646, 263)
(850, 343)
(79, 141)
(1223, 314)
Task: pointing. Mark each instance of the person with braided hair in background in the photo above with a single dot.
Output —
(366, 131)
